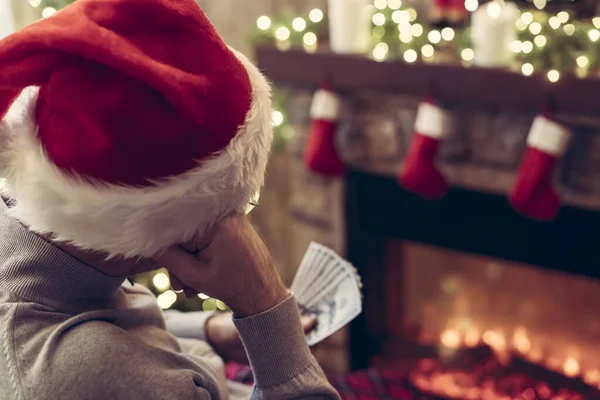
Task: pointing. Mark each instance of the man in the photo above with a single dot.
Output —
(132, 137)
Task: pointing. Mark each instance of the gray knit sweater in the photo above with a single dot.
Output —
(69, 332)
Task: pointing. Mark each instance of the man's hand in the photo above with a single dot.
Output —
(224, 338)
(232, 264)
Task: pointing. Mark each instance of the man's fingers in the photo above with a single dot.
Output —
(176, 284)
(180, 262)
(309, 322)
(180, 287)
(190, 246)
(197, 243)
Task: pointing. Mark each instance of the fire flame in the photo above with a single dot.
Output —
(495, 340)
(450, 338)
(431, 378)
(454, 339)
(521, 341)
(571, 367)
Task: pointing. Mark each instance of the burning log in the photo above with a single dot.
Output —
(459, 368)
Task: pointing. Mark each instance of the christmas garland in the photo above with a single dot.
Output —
(554, 42)
(283, 131)
(158, 282)
(291, 31)
(546, 42)
(55, 4)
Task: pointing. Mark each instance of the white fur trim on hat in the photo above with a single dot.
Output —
(325, 106)
(130, 221)
(432, 121)
(548, 136)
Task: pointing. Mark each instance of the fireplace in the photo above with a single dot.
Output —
(463, 297)
(464, 291)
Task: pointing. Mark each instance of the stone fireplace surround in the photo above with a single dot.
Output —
(366, 213)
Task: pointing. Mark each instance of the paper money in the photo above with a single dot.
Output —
(328, 287)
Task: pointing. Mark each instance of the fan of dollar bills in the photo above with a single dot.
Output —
(328, 287)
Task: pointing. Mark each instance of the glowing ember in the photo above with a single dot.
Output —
(571, 367)
(544, 391)
(528, 394)
(495, 340)
(426, 365)
(450, 338)
(456, 383)
(474, 373)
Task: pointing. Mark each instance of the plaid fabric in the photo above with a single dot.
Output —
(390, 384)
(239, 373)
(363, 385)
(374, 384)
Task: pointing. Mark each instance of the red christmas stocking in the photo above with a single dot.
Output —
(532, 194)
(321, 155)
(419, 173)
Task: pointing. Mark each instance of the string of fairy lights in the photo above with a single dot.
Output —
(166, 297)
(554, 44)
(546, 43)
(49, 7)
(291, 32)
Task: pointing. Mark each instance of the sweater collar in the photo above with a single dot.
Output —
(35, 270)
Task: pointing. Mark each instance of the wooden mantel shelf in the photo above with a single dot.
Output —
(451, 83)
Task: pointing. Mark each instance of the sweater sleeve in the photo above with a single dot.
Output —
(188, 325)
(283, 365)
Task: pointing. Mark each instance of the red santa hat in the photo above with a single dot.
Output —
(129, 126)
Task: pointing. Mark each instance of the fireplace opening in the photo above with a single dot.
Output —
(465, 299)
(465, 325)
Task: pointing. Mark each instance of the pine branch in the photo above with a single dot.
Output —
(57, 4)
